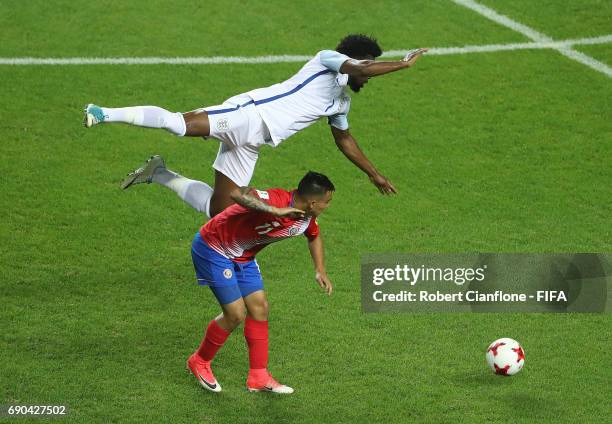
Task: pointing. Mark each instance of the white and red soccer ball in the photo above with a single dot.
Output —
(505, 356)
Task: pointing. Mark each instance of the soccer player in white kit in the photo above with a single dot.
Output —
(265, 116)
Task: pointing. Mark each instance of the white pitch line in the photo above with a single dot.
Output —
(503, 20)
(604, 39)
(586, 60)
(534, 35)
(556, 45)
(213, 60)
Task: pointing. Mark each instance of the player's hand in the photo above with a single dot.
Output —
(288, 212)
(383, 184)
(413, 55)
(324, 282)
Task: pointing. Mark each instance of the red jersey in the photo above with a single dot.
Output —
(239, 233)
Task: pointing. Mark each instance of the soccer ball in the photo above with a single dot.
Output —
(505, 356)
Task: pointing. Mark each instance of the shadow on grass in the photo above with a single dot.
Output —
(470, 379)
(515, 394)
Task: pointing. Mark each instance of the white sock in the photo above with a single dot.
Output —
(196, 193)
(147, 116)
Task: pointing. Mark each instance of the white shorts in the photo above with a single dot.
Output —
(239, 127)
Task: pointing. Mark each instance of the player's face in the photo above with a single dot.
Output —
(357, 83)
(318, 204)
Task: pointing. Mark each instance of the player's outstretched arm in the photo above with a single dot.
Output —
(242, 196)
(349, 147)
(316, 251)
(371, 68)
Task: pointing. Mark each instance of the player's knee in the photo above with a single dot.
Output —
(259, 311)
(264, 308)
(235, 317)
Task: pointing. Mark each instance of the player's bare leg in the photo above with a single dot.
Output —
(233, 315)
(256, 335)
(257, 306)
(221, 195)
(196, 123)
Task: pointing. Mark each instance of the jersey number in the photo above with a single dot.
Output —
(267, 227)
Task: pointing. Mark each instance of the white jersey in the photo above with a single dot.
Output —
(317, 90)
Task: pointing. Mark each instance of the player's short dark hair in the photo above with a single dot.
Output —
(359, 46)
(314, 184)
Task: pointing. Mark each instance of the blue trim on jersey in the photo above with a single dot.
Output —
(294, 90)
(231, 109)
(271, 99)
(333, 101)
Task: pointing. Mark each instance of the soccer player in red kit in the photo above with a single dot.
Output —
(223, 254)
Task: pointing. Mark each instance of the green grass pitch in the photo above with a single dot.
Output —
(494, 152)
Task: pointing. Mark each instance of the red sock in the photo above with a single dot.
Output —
(213, 340)
(256, 335)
